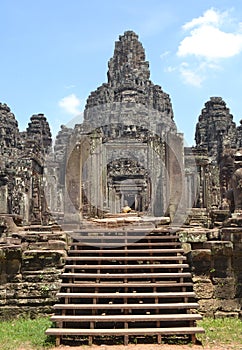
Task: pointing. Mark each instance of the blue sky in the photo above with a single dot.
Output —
(55, 52)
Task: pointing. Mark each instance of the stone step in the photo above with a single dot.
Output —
(126, 318)
(111, 306)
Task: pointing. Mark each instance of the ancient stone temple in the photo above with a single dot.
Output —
(127, 151)
(218, 156)
(125, 155)
(22, 163)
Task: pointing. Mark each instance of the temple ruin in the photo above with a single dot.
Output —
(127, 152)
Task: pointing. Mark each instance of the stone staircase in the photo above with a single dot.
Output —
(129, 284)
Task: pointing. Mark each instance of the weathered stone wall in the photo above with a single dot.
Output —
(30, 266)
(217, 269)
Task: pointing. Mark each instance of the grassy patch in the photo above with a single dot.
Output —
(221, 331)
(25, 334)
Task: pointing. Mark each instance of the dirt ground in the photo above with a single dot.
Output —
(151, 347)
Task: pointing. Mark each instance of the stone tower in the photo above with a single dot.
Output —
(217, 140)
(22, 162)
(39, 129)
(215, 128)
(127, 150)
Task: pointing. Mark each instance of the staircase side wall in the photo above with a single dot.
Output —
(217, 269)
(30, 273)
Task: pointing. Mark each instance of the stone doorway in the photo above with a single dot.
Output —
(128, 184)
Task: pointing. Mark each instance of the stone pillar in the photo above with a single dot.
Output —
(175, 167)
(4, 199)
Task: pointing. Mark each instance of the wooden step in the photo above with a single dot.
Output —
(124, 258)
(124, 331)
(126, 318)
(122, 236)
(127, 295)
(125, 286)
(110, 306)
(128, 251)
(145, 230)
(125, 266)
(125, 249)
(140, 275)
(161, 284)
(105, 246)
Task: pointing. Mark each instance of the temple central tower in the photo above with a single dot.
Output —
(127, 150)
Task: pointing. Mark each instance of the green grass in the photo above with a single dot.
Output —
(25, 334)
(221, 331)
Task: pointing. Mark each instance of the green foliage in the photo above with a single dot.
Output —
(25, 334)
(221, 331)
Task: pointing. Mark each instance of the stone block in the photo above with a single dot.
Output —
(219, 247)
(233, 234)
(203, 288)
(10, 263)
(47, 275)
(42, 259)
(57, 244)
(232, 305)
(9, 312)
(3, 266)
(186, 247)
(222, 314)
(222, 267)
(3, 296)
(239, 288)
(36, 290)
(31, 237)
(208, 307)
(191, 236)
(201, 261)
(237, 262)
(13, 267)
(225, 288)
(213, 234)
(38, 245)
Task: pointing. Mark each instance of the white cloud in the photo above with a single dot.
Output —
(210, 42)
(191, 77)
(207, 38)
(70, 104)
(209, 17)
(170, 69)
(207, 43)
(165, 54)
